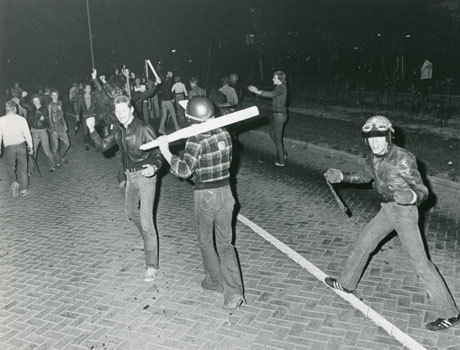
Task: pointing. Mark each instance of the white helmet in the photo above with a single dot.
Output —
(377, 125)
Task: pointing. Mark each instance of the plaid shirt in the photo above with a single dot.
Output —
(208, 157)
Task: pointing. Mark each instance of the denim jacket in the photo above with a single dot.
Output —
(395, 171)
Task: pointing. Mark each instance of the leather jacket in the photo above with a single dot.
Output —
(56, 117)
(394, 172)
(129, 140)
(35, 120)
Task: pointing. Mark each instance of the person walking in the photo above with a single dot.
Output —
(140, 169)
(59, 140)
(17, 141)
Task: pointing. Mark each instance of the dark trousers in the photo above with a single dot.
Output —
(277, 122)
(16, 164)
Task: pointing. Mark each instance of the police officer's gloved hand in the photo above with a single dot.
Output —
(405, 197)
(334, 175)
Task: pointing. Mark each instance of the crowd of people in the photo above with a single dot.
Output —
(118, 112)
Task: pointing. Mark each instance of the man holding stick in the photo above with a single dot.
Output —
(207, 157)
(396, 178)
(140, 169)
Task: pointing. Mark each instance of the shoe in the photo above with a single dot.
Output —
(150, 274)
(52, 169)
(280, 164)
(234, 303)
(24, 193)
(206, 286)
(15, 188)
(285, 155)
(87, 147)
(161, 132)
(58, 165)
(332, 282)
(443, 323)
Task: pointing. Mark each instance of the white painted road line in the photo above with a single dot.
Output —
(367, 311)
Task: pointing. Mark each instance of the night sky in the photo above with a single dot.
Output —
(46, 42)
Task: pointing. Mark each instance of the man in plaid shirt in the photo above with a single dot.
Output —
(207, 158)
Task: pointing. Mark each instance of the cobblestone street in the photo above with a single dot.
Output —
(72, 265)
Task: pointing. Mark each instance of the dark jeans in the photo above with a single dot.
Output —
(213, 212)
(404, 220)
(139, 198)
(277, 122)
(59, 138)
(180, 110)
(16, 164)
(86, 134)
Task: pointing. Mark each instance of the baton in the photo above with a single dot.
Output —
(36, 167)
(77, 127)
(339, 202)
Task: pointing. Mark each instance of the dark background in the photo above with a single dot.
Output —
(46, 42)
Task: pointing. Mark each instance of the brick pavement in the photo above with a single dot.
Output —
(72, 265)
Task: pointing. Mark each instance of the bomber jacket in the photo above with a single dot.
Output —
(392, 173)
(129, 140)
(278, 96)
(38, 118)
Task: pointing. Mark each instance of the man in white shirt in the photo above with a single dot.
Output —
(229, 92)
(15, 134)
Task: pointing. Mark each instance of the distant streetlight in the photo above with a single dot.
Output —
(407, 35)
(173, 50)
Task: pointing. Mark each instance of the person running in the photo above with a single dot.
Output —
(398, 181)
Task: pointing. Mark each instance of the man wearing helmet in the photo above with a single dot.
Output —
(398, 181)
(207, 157)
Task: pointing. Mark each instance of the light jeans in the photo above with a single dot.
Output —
(167, 106)
(56, 138)
(213, 212)
(40, 136)
(404, 220)
(139, 198)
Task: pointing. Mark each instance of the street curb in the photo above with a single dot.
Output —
(437, 181)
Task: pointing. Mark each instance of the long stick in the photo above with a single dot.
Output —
(196, 129)
(90, 35)
(36, 167)
(153, 70)
(342, 206)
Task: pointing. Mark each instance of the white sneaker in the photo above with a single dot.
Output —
(150, 274)
(15, 188)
